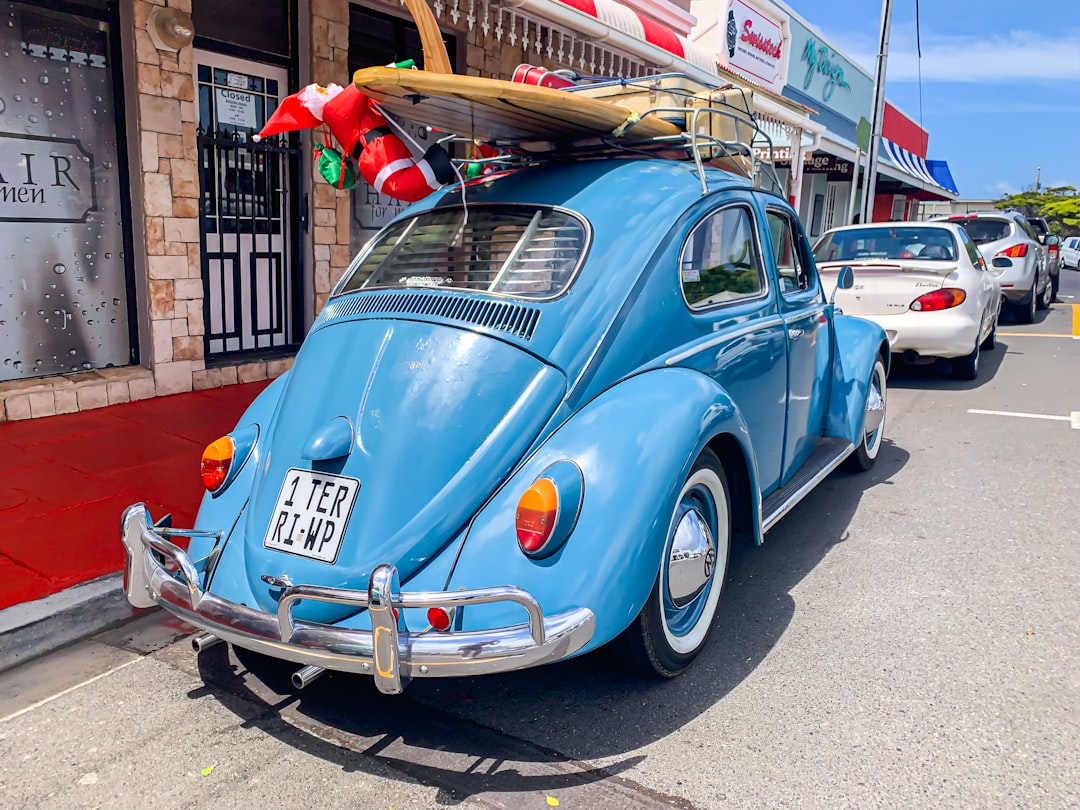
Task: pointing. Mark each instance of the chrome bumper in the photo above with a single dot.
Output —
(160, 573)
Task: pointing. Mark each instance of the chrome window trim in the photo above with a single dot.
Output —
(365, 251)
(762, 270)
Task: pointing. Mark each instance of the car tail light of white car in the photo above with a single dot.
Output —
(945, 298)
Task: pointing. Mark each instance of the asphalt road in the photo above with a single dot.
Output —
(906, 638)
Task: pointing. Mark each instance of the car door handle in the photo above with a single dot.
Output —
(794, 334)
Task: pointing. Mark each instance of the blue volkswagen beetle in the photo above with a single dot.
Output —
(527, 423)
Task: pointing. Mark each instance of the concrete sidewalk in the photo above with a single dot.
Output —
(64, 481)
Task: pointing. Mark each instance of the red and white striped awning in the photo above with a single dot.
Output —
(623, 26)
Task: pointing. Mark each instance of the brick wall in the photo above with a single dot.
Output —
(330, 207)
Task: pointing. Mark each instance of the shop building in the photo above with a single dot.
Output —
(841, 94)
(151, 247)
(823, 171)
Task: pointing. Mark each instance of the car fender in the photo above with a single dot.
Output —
(857, 346)
(634, 445)
(222, 511)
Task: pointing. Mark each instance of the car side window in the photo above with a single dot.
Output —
(791, 265)
(1023, 223)
(720, 262)
(972, 251)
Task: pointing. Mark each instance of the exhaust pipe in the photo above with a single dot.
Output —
(204, 641)
(306, 676)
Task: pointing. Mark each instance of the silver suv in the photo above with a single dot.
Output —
(1015, 255)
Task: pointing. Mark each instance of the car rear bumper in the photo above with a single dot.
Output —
(946, 333)
(158, 572)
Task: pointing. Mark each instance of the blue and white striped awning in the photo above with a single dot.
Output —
(909, 162)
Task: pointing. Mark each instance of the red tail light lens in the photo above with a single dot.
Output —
(536, 514)
(216, 460)
(1014, 252)
(945, 298)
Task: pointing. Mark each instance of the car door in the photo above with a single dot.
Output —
(740, 337)
(808, 330)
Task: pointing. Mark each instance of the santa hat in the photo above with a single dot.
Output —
(303, 110)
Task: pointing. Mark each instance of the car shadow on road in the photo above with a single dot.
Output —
(535, 727)
(938, 375)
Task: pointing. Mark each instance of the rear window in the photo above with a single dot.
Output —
(1038, 226)
(983, 229)
(522, 251)
(869, 244)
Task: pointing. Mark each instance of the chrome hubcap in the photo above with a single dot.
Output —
(692, 559)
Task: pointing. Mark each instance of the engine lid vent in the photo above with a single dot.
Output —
(514, 319)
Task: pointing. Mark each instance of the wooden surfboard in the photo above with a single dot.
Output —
(497, 110)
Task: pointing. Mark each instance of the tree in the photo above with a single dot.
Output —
(1059, 206)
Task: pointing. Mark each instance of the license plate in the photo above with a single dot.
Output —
(311, 514)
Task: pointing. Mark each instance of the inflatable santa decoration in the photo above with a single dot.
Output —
(354, 120)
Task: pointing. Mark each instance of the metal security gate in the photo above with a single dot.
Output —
(250, 252)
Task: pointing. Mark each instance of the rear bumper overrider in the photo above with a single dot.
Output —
(160, 573)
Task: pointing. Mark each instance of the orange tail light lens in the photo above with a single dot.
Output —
(217, 458)
(536, 513)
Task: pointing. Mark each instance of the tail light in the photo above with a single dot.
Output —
(537, 512)
(1014, 252)
(548, 510)
(217, 458)
(945, 298)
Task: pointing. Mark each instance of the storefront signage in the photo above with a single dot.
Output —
(235, 108)
(820, 61)
(826, 76)
(45, 179)
(754, 44)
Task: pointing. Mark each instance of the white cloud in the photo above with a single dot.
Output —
(1017, 57)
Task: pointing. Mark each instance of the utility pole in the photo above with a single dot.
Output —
(1038, 179)
(877, 114)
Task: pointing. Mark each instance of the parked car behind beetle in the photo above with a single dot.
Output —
(1053, 248)
(1070, 253)
(924, 283)
(1015, 255)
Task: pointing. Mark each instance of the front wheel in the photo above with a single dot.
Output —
(1047, 296)
(873, 423)
(675, 622)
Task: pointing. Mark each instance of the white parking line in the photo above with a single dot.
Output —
(1073, 418)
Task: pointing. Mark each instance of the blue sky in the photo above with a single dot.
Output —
(1000, 82)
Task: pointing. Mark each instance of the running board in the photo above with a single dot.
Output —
(826, 457)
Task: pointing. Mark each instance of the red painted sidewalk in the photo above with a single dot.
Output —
(64, 481)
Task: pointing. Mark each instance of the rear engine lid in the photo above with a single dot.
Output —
(413, 424)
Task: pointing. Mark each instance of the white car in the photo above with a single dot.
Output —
(924, 283)
(1070, 253)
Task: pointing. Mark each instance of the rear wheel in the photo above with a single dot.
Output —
(675, 623)
(991, 339)
(873, 423)
(1056, 281)
(1026, 312)
(967, 367)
